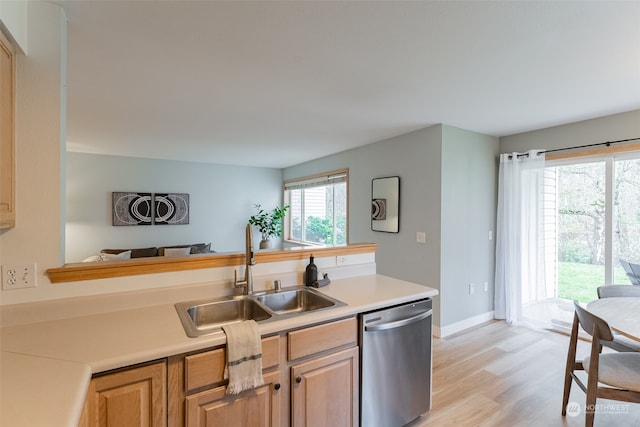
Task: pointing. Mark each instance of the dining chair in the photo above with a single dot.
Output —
(632, 270)
(620, 342)
(619, 373)
(610, 291)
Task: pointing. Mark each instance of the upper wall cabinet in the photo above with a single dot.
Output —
(7, 165)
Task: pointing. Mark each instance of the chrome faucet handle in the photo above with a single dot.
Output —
(238, 283)
(277, 285)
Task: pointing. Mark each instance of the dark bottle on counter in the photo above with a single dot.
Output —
(311, 272)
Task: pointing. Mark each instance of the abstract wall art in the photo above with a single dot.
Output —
(171, 208)
(132, 208)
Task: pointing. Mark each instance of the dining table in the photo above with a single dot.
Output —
(621, 313)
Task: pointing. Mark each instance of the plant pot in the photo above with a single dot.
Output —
(265, 244)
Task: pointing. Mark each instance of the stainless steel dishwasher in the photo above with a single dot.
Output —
(395, 364)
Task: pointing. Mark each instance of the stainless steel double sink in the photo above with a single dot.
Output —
(204, 317)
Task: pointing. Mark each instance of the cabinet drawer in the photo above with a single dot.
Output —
(270, 352)
(207, 369)
(316, 339)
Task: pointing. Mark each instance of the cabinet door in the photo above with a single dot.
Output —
(131, 398)
(7, 172)
(259, 407)
(324, 391)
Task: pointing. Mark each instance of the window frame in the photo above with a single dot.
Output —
(319, 178)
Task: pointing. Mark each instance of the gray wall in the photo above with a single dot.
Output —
(221, 201)
(602, 129)
(448, 190)
(469, 200)
(415, 158)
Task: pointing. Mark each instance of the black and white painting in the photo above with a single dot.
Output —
(132, 208)
(171, 208)
(379, 209)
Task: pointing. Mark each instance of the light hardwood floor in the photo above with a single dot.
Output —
(503, 376)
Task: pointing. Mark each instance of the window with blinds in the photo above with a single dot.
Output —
(318, 211)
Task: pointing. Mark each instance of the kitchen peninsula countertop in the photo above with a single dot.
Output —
(40, 360)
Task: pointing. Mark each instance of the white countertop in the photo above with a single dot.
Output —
(41, 392)
(41, 358)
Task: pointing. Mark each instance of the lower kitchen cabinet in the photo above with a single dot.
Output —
(323, 361)
(259, 407)
(197, 391)
(324, 391)
(311, 379)
(135, 397)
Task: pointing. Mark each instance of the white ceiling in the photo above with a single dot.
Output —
(277, 83)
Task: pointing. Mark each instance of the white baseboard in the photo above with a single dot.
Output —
(441, 332)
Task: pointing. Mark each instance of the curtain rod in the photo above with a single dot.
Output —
(607, 143)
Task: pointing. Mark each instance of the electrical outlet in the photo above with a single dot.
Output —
(472, 288)
(18, 276)
(421, 237)
(341, 260)
(486, 286)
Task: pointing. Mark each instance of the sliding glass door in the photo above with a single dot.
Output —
(580, 229)
(626, 216)
(596, 219)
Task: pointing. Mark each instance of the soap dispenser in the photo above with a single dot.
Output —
(310, 273)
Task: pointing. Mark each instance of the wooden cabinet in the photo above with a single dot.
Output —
(324, 391)
(129, 398)
(7, 162)
(311, 379)
(325, 375)
(259, 407)
(197, 391)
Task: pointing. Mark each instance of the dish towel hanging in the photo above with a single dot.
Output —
(244, 356)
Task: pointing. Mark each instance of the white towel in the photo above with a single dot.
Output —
(244, 356)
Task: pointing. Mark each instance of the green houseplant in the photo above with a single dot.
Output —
(269, 223)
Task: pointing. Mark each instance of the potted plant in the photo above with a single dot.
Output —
(269, 223)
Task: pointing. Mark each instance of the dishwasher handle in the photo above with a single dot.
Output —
(398, 323)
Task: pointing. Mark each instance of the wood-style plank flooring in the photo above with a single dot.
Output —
(504, 376)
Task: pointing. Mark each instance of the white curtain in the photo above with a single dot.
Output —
(520, 273)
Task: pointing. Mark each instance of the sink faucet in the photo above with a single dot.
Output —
(250, 261)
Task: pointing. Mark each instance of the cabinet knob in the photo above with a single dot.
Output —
(276, 386)
(298, 380)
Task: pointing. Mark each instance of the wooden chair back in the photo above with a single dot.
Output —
(592, 323)
(600, 331)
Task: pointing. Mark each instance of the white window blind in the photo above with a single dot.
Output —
(318, 181)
